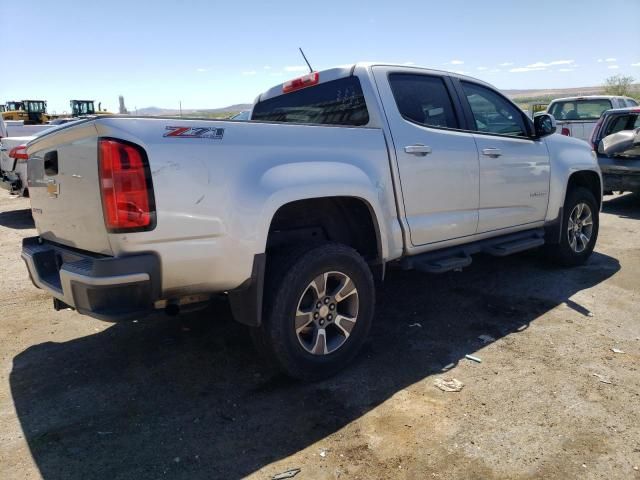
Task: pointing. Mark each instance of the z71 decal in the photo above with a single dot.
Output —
(195, 132)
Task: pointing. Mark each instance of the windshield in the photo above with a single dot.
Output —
(83, 108)
(35, 106)
(587, 109)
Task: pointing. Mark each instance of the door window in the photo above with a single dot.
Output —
(492, 113)
(423, 99)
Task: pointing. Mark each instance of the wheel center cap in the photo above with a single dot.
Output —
(324, 311)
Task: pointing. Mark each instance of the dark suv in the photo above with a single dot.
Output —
(621, 172)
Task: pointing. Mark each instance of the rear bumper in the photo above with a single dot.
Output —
(107, 288)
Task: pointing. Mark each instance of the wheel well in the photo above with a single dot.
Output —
(347, 220)
(589, 180)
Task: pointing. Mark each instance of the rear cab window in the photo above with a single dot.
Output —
(338, 102)
(585, 109)
(423, 99)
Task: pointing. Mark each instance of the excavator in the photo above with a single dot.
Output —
(31, 112)
(86, 107)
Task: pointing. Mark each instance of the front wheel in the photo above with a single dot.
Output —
(319, 305)
(580, 225)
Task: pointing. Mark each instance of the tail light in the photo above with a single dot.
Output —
(125, 185)
(302, 82)
(19, 153)
(565, 131)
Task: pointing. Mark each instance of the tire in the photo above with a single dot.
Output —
(574, 253)
(293, 284)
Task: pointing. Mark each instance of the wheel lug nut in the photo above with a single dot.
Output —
(318, 305)
(316, 315)
(329, 317)
(332, 306)
(326, 300)
(321, 321)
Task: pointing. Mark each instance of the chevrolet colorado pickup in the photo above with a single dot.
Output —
(338, 174)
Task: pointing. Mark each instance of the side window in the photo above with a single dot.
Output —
(423, 99)
(631, 103)
(492, 113)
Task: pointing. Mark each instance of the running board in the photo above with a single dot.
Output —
(456, 258)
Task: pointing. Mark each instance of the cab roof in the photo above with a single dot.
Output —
(342, 71)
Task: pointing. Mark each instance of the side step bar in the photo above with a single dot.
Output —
(456, 258)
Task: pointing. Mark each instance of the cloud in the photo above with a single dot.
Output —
(565, 69)
(249, 72)
(612, 66)
(202, 69)
(267, 67)
(506, 64)
(481, 69)
(456, 62)
(550, 64)
(409, 63)
(495, 70)
(637, 64)
(296, 68)
(609, 60)
(527, 69)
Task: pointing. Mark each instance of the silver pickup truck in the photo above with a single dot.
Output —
(339, 174)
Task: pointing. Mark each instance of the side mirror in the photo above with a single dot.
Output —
(544, 124)
(626, 142)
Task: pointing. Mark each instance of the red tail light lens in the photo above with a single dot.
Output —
(125, 184)
(19, 153)
(302, 82)
(565, 131)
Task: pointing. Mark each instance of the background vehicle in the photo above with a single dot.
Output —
(31, 112)
(620, 171)
(347, 171)
(86, 107)
(577, 116)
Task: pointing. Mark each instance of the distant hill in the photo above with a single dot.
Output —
(200, 112)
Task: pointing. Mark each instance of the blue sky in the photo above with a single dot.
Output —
(212, 54)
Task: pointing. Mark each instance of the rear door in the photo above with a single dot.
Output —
(437, 162)
(514, 168)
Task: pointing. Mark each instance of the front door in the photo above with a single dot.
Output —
(514, 168)
(437, 163)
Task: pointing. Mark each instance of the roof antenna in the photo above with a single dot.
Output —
(305, 59)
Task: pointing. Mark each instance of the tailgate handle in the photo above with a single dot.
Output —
(51, 163)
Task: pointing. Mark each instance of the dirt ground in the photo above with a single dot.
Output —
(189, 399)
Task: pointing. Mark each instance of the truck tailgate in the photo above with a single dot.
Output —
(64, 188)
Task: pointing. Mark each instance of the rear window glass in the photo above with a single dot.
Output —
(339, 102)
(579, 109)
(423, 99)
(623, 122)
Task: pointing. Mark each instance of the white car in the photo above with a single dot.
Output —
(342, 173)
(577, 116)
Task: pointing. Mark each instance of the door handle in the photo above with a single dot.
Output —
(420, 150)
(491, 152)
(51, 163)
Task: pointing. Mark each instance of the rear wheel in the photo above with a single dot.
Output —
(319, 305)
(579, 228)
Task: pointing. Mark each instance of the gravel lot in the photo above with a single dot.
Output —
(188, 398)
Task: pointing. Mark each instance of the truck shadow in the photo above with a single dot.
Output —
(625, 206)
(190, 399)
(17, 219)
